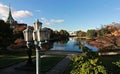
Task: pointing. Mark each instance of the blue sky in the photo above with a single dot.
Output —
(70, 15)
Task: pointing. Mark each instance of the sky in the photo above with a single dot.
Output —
(70, 15)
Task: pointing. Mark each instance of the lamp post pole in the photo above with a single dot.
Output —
(37, 60)
(38, 36)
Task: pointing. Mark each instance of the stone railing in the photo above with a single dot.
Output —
(109, 53)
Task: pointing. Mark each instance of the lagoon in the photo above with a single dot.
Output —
(73, 44)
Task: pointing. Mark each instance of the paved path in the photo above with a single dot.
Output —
(60, 67)
(61, 52)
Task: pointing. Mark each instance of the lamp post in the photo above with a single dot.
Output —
(38, 35)
(28, 38)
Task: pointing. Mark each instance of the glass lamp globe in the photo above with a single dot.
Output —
(28, 35)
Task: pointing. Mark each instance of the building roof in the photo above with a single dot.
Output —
(10, 18)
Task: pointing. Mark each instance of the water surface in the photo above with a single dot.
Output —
(72, 45)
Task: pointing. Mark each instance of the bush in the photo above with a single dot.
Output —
(87, 65)
(117, 63)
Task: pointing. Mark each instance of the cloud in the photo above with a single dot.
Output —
(38, 10)
(16, 14)
(52, 21)
(3, 10)
(20, 21)
(117, 9)
(57, 21)
(21, 13)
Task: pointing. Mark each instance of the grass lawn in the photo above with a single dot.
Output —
(108, 63)
(8, 61)
(46, 63)
(49, 61)
(8, 58)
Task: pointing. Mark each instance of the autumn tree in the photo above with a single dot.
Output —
(5, 34)
(81, 33)
(111, 34)
(91, 34)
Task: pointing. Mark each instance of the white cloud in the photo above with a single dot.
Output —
(117, 8)
(3, 10)
(16, 14)
(38, 10)
(52, 21)
(20, 21)
(21, 13)
(57, 21)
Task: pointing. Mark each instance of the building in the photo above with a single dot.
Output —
(13, 23)
(72, 33)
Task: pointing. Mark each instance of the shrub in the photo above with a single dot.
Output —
(117, 63)
(87, 65)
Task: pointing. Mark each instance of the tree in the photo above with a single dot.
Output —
(102, 32)
(64, 33)
(109, 36)
(18, 32)
(5, 34)
(113, 35)
(91, 34)
(81, 33)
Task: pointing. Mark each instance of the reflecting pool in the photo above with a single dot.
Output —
(73, 44)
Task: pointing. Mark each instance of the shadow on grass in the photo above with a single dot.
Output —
(108, 63)
(46, 63)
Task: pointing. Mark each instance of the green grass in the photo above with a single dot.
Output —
(8, 58)
(49, 61)
(8, 61)
(46, 63)
(108, 63)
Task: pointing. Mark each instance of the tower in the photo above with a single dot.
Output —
(10, 20)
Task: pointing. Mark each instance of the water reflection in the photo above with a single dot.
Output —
(47, 46)
(60, 45)
(72, 44)
(84, 43)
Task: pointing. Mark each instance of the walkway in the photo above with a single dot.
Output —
(58, 69)
(61, 52)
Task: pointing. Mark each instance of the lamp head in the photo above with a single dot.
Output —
(37, 25)
(28, 35)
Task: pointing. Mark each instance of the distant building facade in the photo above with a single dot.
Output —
(72, 33)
